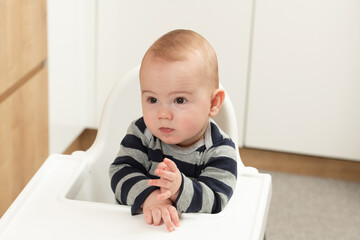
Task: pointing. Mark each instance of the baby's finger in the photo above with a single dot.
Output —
(167, 220)
(156, 215)
(148, 217)
(162, 166)
(159, 183)
(170, 164)
(174, 216)
(165, 174)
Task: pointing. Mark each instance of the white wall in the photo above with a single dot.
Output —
(71, 63)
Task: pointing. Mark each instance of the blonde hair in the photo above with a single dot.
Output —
(177, 45)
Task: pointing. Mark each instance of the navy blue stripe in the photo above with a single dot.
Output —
(224, 163)
(201, 149)
(127, 185)
(216, 208)
(190, 170)
(120, 174)
(133, 142)
(141, 198)
(130, 161)
(155, 155)
(197, 199)
(141, 124)
(215, 133)
(224, 142)
(217, 186)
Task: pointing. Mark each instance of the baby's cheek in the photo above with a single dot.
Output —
(192, 124)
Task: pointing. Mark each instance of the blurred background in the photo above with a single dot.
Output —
(291, 68)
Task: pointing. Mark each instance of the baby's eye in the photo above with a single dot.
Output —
(180, 100)
(152, 100)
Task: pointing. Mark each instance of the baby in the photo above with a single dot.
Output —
(175, 159)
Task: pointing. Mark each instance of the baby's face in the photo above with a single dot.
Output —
(175, 101)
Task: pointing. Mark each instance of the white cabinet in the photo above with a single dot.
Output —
(71, 62)
(304, 93)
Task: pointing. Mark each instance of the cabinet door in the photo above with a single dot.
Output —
(23, 95)
(71, 55)
(304, 93)
(23, 136)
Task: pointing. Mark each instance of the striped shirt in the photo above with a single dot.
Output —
(208, 169)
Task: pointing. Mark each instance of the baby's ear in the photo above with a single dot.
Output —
(216, 101)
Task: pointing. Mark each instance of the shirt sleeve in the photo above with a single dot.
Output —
(211, 191)
(129, 171)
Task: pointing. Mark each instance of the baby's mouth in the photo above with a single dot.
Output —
(166, 130)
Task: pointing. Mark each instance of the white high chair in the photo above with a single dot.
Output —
(70, 196)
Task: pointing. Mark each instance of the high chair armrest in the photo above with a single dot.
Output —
(45, 185)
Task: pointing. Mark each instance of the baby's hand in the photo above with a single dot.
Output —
(156, 211)
(170, 180)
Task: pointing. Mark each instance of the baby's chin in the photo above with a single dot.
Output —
(169, 141)
(182, 144)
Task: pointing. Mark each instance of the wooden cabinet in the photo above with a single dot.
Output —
(23, 95)
(23, 39)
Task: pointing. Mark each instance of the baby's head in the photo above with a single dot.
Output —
(180, 87)
(185, 45)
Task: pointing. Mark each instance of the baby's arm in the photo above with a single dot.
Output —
(208, 193)
(129, 171)
(129, 183)
(212, 189)
(156, 210)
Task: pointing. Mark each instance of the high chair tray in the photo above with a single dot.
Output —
(43, 211)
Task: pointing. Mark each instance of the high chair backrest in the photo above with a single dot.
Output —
(123, 105)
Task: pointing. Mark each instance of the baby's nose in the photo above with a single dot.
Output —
(165, 113)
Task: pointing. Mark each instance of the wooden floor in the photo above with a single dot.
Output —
(301, 164)
(83, 142)
(269, 160)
